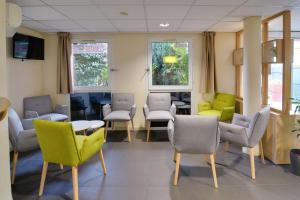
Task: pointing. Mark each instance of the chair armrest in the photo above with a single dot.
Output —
(173, 109)
(171, 132)
(92, 144)
(203, 106)
(106, 109)
(232, 128)
(241, 120)
(227, 113)
(62, 109)
(31, 114)
(28, 123)
(132, 111)
(146, 110)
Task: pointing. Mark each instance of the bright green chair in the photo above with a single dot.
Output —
(60, 145)
(223, 107)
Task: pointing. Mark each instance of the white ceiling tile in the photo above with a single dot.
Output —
(155, 23)
(256, 11)
(208, 12)
(75, 30)
(81, 12)
(166, 12)
(162, 30)
(36, 25)
(41, 13)
(27, 2)
(95, 24)
(133, 29)
(269, 2)
(113, 12)
(61, 24)
(102, 30)
(128, 24)
(232, 19)
(198, 24)
(168, 2)
(219, 2)
(227, 26)
(191, 30)
(118, 2)
(67, 2)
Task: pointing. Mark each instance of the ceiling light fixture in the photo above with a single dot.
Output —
(124, 13)
(164, 25)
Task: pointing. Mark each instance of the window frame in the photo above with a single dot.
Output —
(157, 88)
(79, 89)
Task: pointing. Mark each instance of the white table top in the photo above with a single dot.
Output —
(82, 125)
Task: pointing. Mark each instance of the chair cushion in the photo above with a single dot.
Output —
(122, 101)
(216, 113)
(159, 101)
(222, 100)
(121, 115)
(54, 117)
(159, 116)
(27, 141)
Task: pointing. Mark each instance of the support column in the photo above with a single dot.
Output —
(252, 66)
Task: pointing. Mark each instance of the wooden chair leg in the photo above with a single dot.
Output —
(106, 128)
(101, 157)
(226, 146)
(132, 125)
(14, 166)
(262, 156)
(43, 178)
(75, 182)
(213, 169)
(174, 156)
(128, 131)
(178, 155)
(252, 162)
(61, 166)
(148, 130)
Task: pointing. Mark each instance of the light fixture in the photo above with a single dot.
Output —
(124, 13)
(169, 59)
(164, 25)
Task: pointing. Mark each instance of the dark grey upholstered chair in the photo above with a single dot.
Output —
(247, 132)
(22, 137)
(158, 108)
(194, 134)
(41, 106)
(123, 109)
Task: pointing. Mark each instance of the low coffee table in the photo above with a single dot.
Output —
(84, 125)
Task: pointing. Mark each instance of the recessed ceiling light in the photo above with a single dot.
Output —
(164, 25)
(124, 13)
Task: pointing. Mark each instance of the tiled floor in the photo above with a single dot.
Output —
(144, 171)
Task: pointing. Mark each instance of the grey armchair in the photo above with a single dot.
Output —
(22, 137)
(194, 134)
(123, 109)
(41, 106)
(247, 132)
(158, 108)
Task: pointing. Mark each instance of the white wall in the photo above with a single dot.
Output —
(25, 77)
(5, 190)
(130, 56)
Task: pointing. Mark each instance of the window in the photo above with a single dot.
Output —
(170, 66)
(275, 81)
(296, 71)
(90, 65)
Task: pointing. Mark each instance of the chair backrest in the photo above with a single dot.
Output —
(122, 101)
(58, 142)
(258, 126)
(159, 101)
(40, 104)
(196, 134)
(222, 100)
(14, 126)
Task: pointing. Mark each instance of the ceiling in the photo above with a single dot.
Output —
(147, 15)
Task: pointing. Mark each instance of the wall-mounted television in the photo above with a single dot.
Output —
(28, 47)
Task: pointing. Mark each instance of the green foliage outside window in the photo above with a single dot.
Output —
(170, 74)
(91, 69)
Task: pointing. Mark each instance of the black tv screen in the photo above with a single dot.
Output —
(28, 47)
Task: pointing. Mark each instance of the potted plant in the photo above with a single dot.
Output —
(295, 153)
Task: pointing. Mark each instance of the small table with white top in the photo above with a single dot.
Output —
(84, 125)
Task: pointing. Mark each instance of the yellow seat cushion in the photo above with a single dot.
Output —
(216, 113)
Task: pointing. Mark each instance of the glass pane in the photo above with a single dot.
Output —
(90, 64)
(170, 63)
(275, 28)
(296, 71)
(275, 86)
